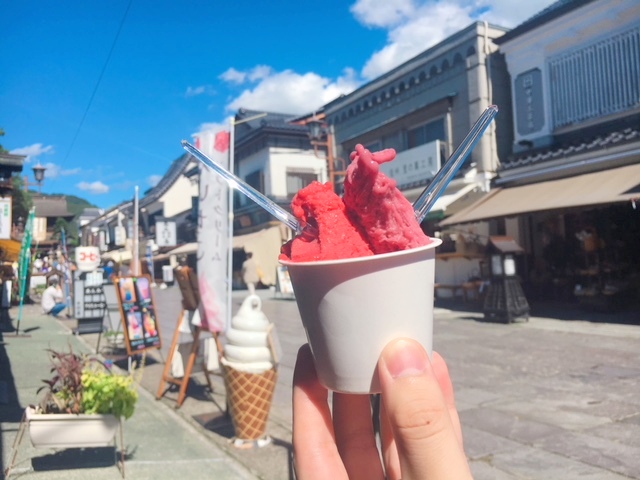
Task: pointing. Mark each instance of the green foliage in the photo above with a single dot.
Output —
(2, 149)
(81, 384)
(21, 199)
(76, 205)
(105, 392)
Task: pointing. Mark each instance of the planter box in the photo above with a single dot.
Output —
(66, 430)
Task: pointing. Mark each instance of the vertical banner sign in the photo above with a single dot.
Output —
(213, 232)
(5, 218)
(25, 263)
(138, 313)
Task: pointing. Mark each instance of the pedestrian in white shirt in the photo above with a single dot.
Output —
(53, 299)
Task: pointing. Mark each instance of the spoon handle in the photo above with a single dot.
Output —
(239, 184)
(439, 183)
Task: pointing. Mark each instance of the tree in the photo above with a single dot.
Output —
(2, 149)
(21, 199)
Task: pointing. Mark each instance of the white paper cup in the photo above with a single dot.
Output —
(351, 309)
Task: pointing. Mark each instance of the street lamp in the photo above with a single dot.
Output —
(321, 135)
(38, 173)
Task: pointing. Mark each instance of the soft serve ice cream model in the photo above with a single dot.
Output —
(250, 373)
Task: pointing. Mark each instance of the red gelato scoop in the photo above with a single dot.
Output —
(318, 205)
(373, 217)
(377, 206)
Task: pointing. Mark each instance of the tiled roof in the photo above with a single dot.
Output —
(175, 171)
(586, 144)
(51, 206)
(555, 10)
(272, 121)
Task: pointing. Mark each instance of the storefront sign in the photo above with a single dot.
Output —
(89, 299)
(5, 218)
(87, 258)
(529, 102)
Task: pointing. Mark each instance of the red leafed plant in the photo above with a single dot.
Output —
(64, 389)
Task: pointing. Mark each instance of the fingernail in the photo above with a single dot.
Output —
(405, 358)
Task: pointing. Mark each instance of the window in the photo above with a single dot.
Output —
(374, 146)
(298, 179)
(426, 133)
(596, 80)
(256, 180)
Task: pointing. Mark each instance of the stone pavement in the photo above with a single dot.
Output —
(159, 443)
(555, 397)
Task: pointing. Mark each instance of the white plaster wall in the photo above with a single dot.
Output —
(592, 22)
(282, 159)
(178, 198)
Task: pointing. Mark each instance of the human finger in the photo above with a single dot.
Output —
(315, 452)
(425, 437)
(355, 437)
(441, 372)
(389, 448)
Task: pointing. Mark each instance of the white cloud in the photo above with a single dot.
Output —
(412, 27)
(153, 180)
(96, 187)
(233, 76)
(33, 151)
(382, 13)
(292, 92)
(415, 25)
(52, 170)
(199, 90)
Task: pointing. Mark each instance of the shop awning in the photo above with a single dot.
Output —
(118, 256)
(10, 250)
(604, 187)
(186, 249)
(265, 245)
(454, 199)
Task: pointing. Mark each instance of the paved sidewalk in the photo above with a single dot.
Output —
(556, 397)
(159, 443)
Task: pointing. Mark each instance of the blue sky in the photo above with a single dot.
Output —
(102, 92)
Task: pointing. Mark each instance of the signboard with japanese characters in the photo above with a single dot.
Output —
(89, 299)
(5, 218)
(87, 258)
(166, 234)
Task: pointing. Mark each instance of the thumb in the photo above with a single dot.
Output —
(418, 414)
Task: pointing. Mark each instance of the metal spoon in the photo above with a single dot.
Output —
(236, 182)
(439, 183)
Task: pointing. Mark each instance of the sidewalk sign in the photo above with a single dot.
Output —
(138, 313)
(90, 302)
(283, 281)
(176, 370)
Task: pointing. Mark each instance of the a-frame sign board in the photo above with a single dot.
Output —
(188, 282)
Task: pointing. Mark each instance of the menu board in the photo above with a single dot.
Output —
(138, 313)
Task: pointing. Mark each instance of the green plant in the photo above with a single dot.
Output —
(64, 388)
(82, 384)
(105, 392)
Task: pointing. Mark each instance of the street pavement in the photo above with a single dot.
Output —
(555, 397)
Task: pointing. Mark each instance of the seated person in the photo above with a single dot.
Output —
(53, 299)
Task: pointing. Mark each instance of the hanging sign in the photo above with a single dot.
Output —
(87, 258)
(5, 218)
(166, 234)
(138, 313)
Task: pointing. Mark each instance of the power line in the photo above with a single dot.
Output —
(95, 89)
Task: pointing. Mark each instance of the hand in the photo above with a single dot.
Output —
(419, 425)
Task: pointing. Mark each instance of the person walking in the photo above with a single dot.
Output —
(250, 273)
(53, 298)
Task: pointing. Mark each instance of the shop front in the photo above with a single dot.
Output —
(581, 236)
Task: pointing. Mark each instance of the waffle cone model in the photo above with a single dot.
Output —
(249, 396)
